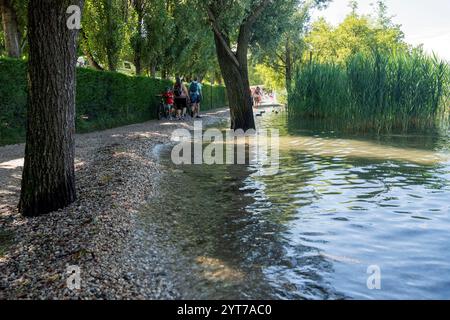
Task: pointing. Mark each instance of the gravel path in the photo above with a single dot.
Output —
(117, 173)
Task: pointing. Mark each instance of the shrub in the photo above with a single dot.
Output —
(104, 99)
(13, 99)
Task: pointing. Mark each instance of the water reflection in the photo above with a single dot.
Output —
(338, 205)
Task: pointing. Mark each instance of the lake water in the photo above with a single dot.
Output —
(339, 205)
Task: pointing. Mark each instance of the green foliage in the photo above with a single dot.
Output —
(365, 76)
(108, 99)
(278, 44)
(104, 99)
(190, 49)
(105, 25)
(173, 38)
(356, 34)
(213, 97)
(377, 92)
(156, 35)
(13, 99)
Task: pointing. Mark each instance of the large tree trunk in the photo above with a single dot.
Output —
(10, 28)
(48, 182)
(238, 89)
(234, 66)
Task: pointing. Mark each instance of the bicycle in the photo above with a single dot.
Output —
(161, 110)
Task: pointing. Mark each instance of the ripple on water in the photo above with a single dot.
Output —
(337, 206)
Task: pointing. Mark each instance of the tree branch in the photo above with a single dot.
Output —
(246, 27)
(256, 12)
(219, 35)
(279, 56)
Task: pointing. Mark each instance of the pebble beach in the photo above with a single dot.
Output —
(117, 172)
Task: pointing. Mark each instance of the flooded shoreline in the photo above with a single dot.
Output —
(337, 207)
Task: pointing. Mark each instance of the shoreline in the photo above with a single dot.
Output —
(117, 173)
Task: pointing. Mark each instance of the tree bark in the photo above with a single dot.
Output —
(10, 29)
(139, 7)
(238, 90)
(138, 60)
(153, 71)
(48, 182)
(110, 45)
(234, 66)
(87, 52)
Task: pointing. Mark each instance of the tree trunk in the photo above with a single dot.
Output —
(234, 66)
(153, 71)
(87, 52)
(238, 88)
(10, 29)
(288, 70)
(110, 43)
(138, 44)
(48, 182)
(137, 62)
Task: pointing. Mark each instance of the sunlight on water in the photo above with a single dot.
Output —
(346, 148)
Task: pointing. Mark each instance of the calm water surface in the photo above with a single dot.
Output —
(338, 205)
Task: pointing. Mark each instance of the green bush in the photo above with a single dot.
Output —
(13, 99)
(104, 99)
(107, 99)
(213, 97)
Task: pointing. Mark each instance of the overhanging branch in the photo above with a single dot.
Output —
(246, 27)
(219, 35)
(256, 12)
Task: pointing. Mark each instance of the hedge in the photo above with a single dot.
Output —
(104, 99)
(13, 99)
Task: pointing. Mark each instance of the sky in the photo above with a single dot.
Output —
(424, 22)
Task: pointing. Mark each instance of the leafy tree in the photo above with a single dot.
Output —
(356, 34)
(233, 23)
(278, 43)
(159, 24)
(193, 48)
(105, 29)
(163, 40)
(137, 39)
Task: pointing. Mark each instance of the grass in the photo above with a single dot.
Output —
(377, 92)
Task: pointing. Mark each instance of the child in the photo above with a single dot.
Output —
(168, 102)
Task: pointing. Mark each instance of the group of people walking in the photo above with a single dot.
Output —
(179, 98)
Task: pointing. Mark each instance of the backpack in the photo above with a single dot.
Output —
(177, 90)
(194, 87)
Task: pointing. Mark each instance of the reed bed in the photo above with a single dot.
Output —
(376, 92)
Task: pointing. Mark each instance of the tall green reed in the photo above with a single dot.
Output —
(377, 92)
